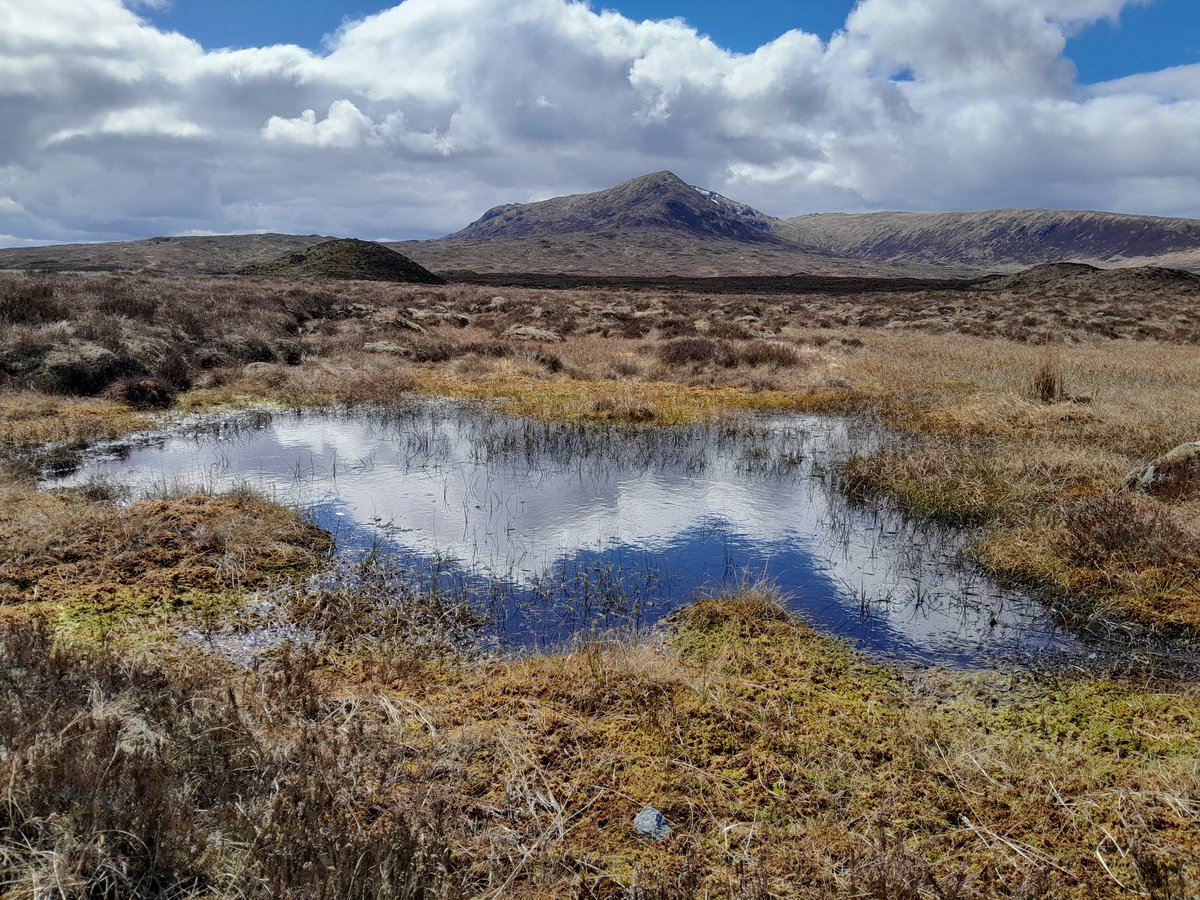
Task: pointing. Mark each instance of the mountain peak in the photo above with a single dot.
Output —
(659, 201)
(664, 179)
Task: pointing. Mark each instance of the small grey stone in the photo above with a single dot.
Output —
(651, 823)
(491, 306)
(438, 316)
(353, 311)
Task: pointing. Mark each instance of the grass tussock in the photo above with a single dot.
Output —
(129, 781)
(1048, 383)
(1114, 555)
(99, 568)
(785, 766)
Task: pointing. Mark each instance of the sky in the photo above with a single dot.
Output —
(135, 118)
(1143, 37)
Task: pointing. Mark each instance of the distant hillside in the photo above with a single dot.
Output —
(1078, 278)
(659, 224)
(1000, 238)
(346, 258)
(655, 225)
(208, 255)
(649, 252)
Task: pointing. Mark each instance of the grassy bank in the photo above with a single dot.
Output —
(784, 766)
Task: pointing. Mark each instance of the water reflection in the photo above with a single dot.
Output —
(554, 528)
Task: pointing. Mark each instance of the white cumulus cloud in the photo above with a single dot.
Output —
(411, 122)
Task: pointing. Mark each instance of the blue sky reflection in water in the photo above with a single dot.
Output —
(558, 528)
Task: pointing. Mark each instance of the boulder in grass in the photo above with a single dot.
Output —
(1174, 474)
(439, 316)
(386, 347)
(490, 306)
(530, 333)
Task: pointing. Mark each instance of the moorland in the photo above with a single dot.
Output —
(382, 755)
(374, 762)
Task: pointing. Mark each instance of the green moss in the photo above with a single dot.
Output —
(127, 613)
(1104, 720)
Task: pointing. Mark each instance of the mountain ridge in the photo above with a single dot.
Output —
(998, 236)
(642, 212)
(659, 224)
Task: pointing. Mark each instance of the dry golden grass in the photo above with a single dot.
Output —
(29, 418)
(785, 766)
(990, 453)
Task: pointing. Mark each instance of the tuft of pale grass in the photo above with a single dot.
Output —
(1048, 383)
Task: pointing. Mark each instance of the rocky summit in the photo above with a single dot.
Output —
(659, 201)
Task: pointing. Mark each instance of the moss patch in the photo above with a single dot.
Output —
(780, 758)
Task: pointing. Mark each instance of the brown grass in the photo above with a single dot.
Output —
(991, 454)
(785, 766)
(99, 567)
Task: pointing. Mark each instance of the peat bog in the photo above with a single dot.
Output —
(471, 680)
(552, 530)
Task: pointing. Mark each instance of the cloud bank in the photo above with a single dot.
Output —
(415, 120)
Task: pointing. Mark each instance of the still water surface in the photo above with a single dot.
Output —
(552, 528)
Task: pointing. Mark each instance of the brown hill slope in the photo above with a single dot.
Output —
(347, 258)
(1076, 278)
(658, 224)
(649, 252)
(207, 255)
(1000, 238)
(655, 225)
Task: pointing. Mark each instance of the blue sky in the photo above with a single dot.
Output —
(1161, 34)
(413, 122)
